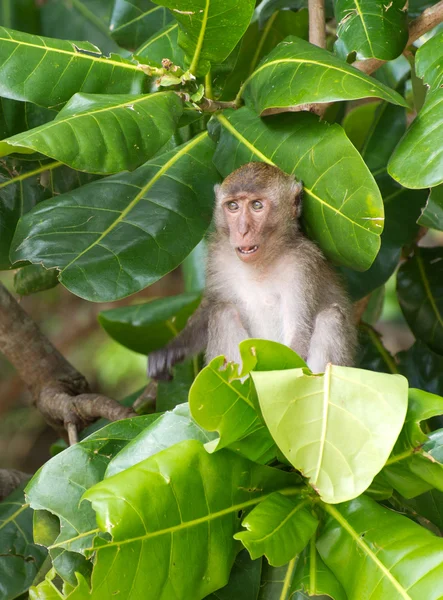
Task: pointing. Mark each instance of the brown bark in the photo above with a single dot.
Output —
(10, 479)
(317, 23)
(58, 390)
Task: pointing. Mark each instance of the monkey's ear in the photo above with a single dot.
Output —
(217, 188)
(297, 197)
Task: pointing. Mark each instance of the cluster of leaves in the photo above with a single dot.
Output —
(271, 483)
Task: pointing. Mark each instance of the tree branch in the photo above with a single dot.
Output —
(429, 18)
(10, 479)
(58, 390)
(317, 24)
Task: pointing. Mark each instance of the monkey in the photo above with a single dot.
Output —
(264, 279)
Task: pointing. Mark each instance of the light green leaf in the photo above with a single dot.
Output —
(420, 293)
(150, 326)
(377, 554)
(34, 278)
(123, 229)
(104, 133)
(209, 29)
(163, 44)
(343, 209)
(278, 528)
(48, 72)
(134, 21)
(432, 215)
(371, 29)
(296, 72)
(171, 512)
(307, 414)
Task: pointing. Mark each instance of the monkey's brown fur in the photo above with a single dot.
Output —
(264, 279)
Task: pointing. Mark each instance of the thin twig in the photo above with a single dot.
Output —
(209, 105)
(72, 433)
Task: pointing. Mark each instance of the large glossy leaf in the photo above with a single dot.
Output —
(428, 505)
(386, 555)
(296, 72)
(163, 44)
(169, 429)
(24, 183)
(371, 29)
(412, 469)
(418, 159)
(16, 116)
(244, 580)
(307, 414)
(78, 20)
(150, 326)
(48, 72)
(343, 208)
(104, 133)
(125, 231)
(420, 293)
(432, 215)
(134, 21)
(209, 29)
(423, 368)
(306, 574)
(20, 558)
(278, 528)
(171, 512)
(229, 408)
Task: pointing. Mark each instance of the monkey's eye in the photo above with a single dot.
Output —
(232, 206)
(257, 205)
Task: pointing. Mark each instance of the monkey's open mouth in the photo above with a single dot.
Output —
(247, 249)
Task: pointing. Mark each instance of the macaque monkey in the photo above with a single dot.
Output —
(265, 279)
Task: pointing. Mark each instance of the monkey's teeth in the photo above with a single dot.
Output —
(247, 249)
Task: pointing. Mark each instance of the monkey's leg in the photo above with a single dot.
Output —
(192, 340)
(225, 332)
(332, 340)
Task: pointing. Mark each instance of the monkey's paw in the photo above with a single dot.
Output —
(161, 362)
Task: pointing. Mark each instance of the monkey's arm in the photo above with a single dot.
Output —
(333, 339)
(192, 340)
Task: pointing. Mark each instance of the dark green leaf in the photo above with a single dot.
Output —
(372, 354)
(377, 554)
(209, 29)
(48, 72)
(152, 220)
(344, 210)
(79, 20)
(357, 123)
(16, 117)
(104, 133)
(428, 505)
(182, 524)
(134, 21)
(20, 14)
(20, 558)
(420, 293)
(163, 44)
(244, 580)
(150, 326)
(172, 393)
(278, 528)
(34, 278)
(423, 368)
(432, 215)
(297, 72)
(371, 29)
(194, 268)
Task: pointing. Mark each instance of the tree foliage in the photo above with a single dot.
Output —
(267, 481)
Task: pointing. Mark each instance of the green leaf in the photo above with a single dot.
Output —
(163, 44)
(346, 218)
(428, 505)
(412, 470)
(126, 231)
(420, 293)
(229, 409)
(244, 580)
(278, 528)
(104, 133)
(194, 268)
(372, 354)
(423, 368)
(75, 469)
(16, 117)
(150, 326)
(20, 558)
(296, 72)
(371, 29)
(432, 215)
(209, 29)
(307, 414)
(174, 392)
(169, 429)
(418, 159)
(34, 278)
(147, 510)
(24, 183)
(48, 72)
(134, 21)
(79, 20)
(20, 14)
(387, 555)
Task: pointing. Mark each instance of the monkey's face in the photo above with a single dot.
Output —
(247, 217)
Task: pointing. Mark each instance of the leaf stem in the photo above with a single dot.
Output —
(201, 37)
(312, 567)
(208, 86)
(73, 539)
(42, 169)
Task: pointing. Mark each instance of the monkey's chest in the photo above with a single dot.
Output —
(263, 314)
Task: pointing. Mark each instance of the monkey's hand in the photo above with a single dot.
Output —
(161, 362)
